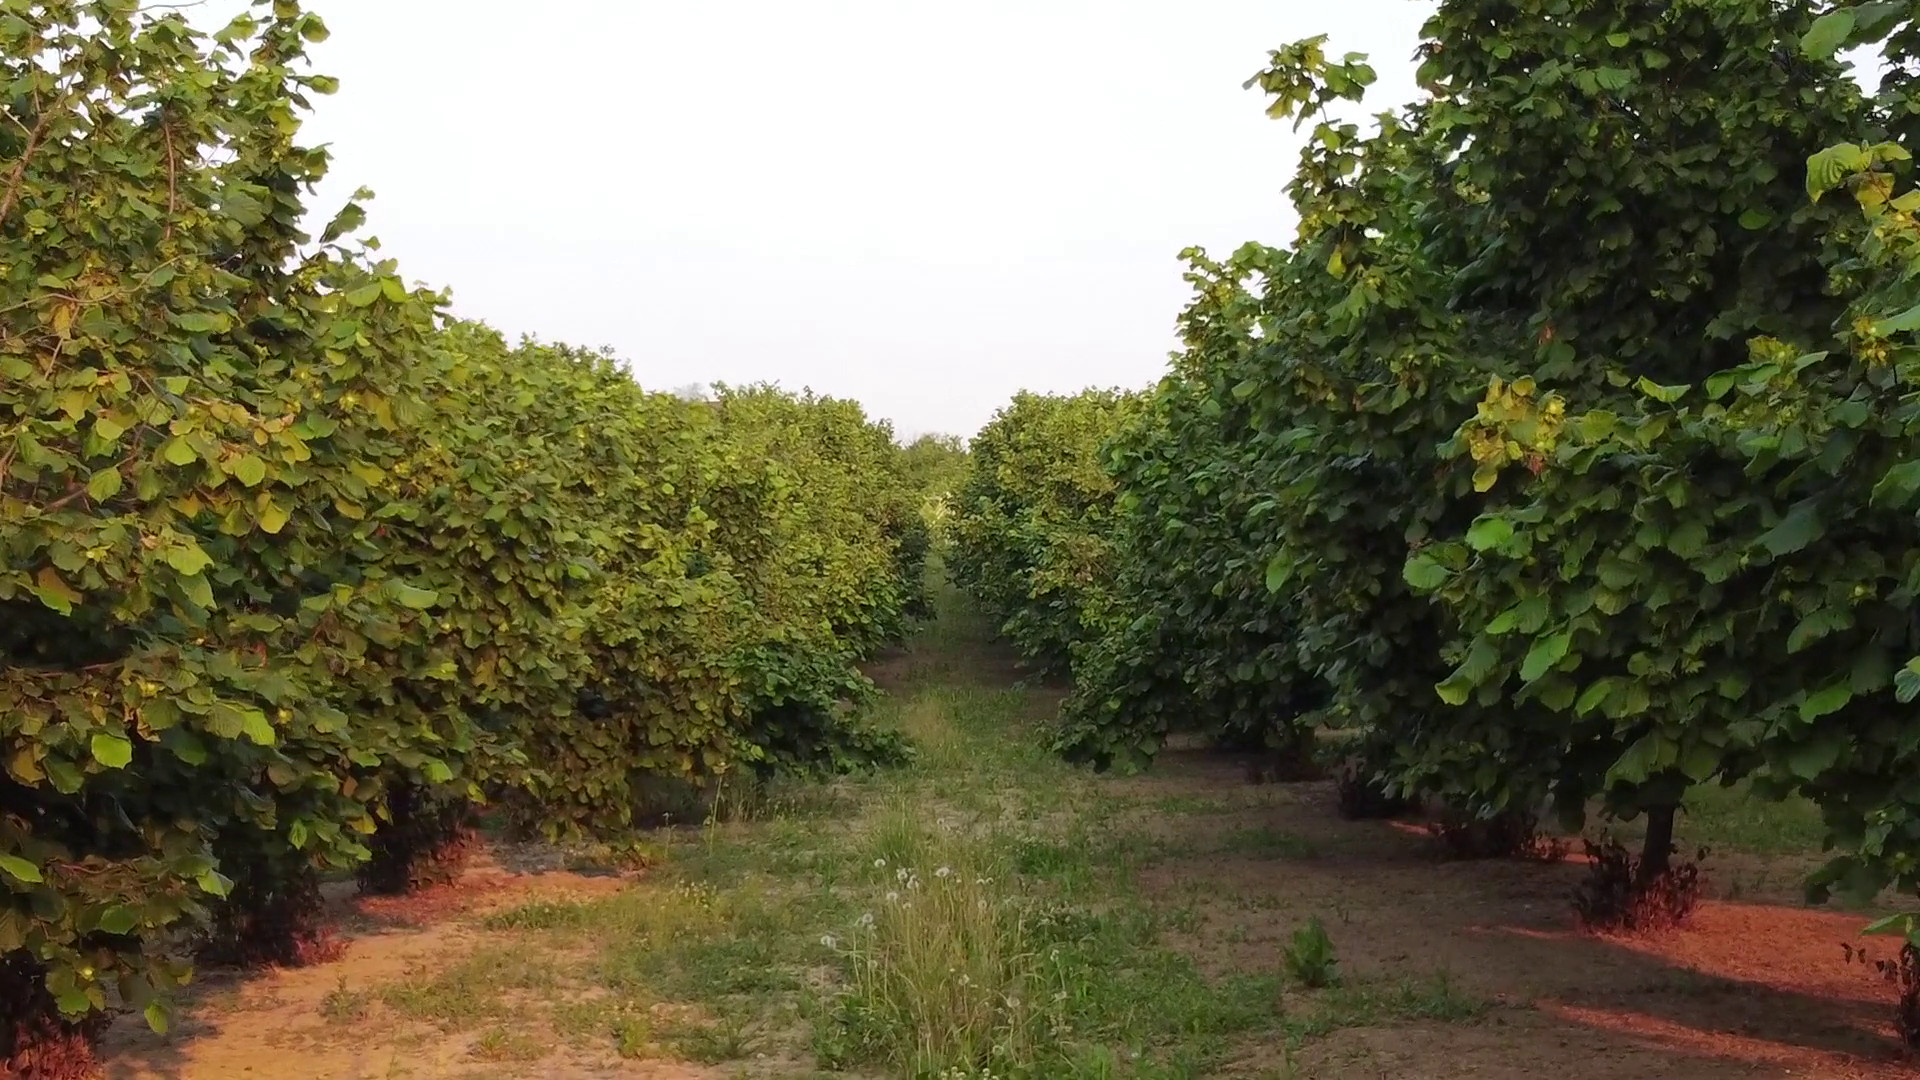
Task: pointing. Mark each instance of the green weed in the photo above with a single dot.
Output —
(1309, 957)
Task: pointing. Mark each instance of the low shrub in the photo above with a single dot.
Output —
(1618, 895)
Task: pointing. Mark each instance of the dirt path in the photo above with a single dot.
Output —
(324, 1022)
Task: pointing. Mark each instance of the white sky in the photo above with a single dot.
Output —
(921, 204)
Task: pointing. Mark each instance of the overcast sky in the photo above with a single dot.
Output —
(925, 205)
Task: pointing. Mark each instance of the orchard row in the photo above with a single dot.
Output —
(298, 568)
(1569, 457)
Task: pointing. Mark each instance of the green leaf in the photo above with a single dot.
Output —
(1755, 219)
(1592, 698)
(1808, 760)
(364, 295)
(249, 470)
(202, 322)
(214, 883)
(118, 919)
(178, 452)
(255, 726)
(21, 870)
(103, 485)
(1800, 527)
(1664, 394)
(198, 591)
(1699, 762)
(1613, 78)
(157, 1018)
(437, 772)
(1640, 760)
(1455, 689)
(1828, 33)
(1619, 40)
(1279, 572)
(1901, 923)
(1489, 532)
(1688, 539)
(113, 751)
(1546, 652)
(1831, 167)
(410, 597)
(1903, 323)
(1906, 682)
(1424, 574)
(1830, 700)
(1898, 487)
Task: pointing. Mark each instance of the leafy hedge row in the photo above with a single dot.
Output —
(295, 568)
(1031, 525)
(1569, 453)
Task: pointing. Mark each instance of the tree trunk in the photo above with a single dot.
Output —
(1657, 855)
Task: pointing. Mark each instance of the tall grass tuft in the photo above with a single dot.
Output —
(943, 974)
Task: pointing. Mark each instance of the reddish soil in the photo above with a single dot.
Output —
(1744, 989)
(274, 1024)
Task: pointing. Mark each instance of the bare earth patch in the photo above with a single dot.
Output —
(1746, 989)
(328, 1022)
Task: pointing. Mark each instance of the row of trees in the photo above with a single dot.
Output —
(297, 569)
(1569, 452)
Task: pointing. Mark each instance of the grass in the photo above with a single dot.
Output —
(975, 914)
(1732, 819)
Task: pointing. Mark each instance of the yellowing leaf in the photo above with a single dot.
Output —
(188, 559)
(54, 591)
(20, 869)
(113, 751)
(255, 726)
(272, 517)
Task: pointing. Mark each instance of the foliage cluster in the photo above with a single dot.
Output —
(1568, 453)
(295, 567)
(1031, 530)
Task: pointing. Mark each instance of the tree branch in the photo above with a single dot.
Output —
(19, 174)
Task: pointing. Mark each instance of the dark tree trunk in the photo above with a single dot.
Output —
(1657, 855)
